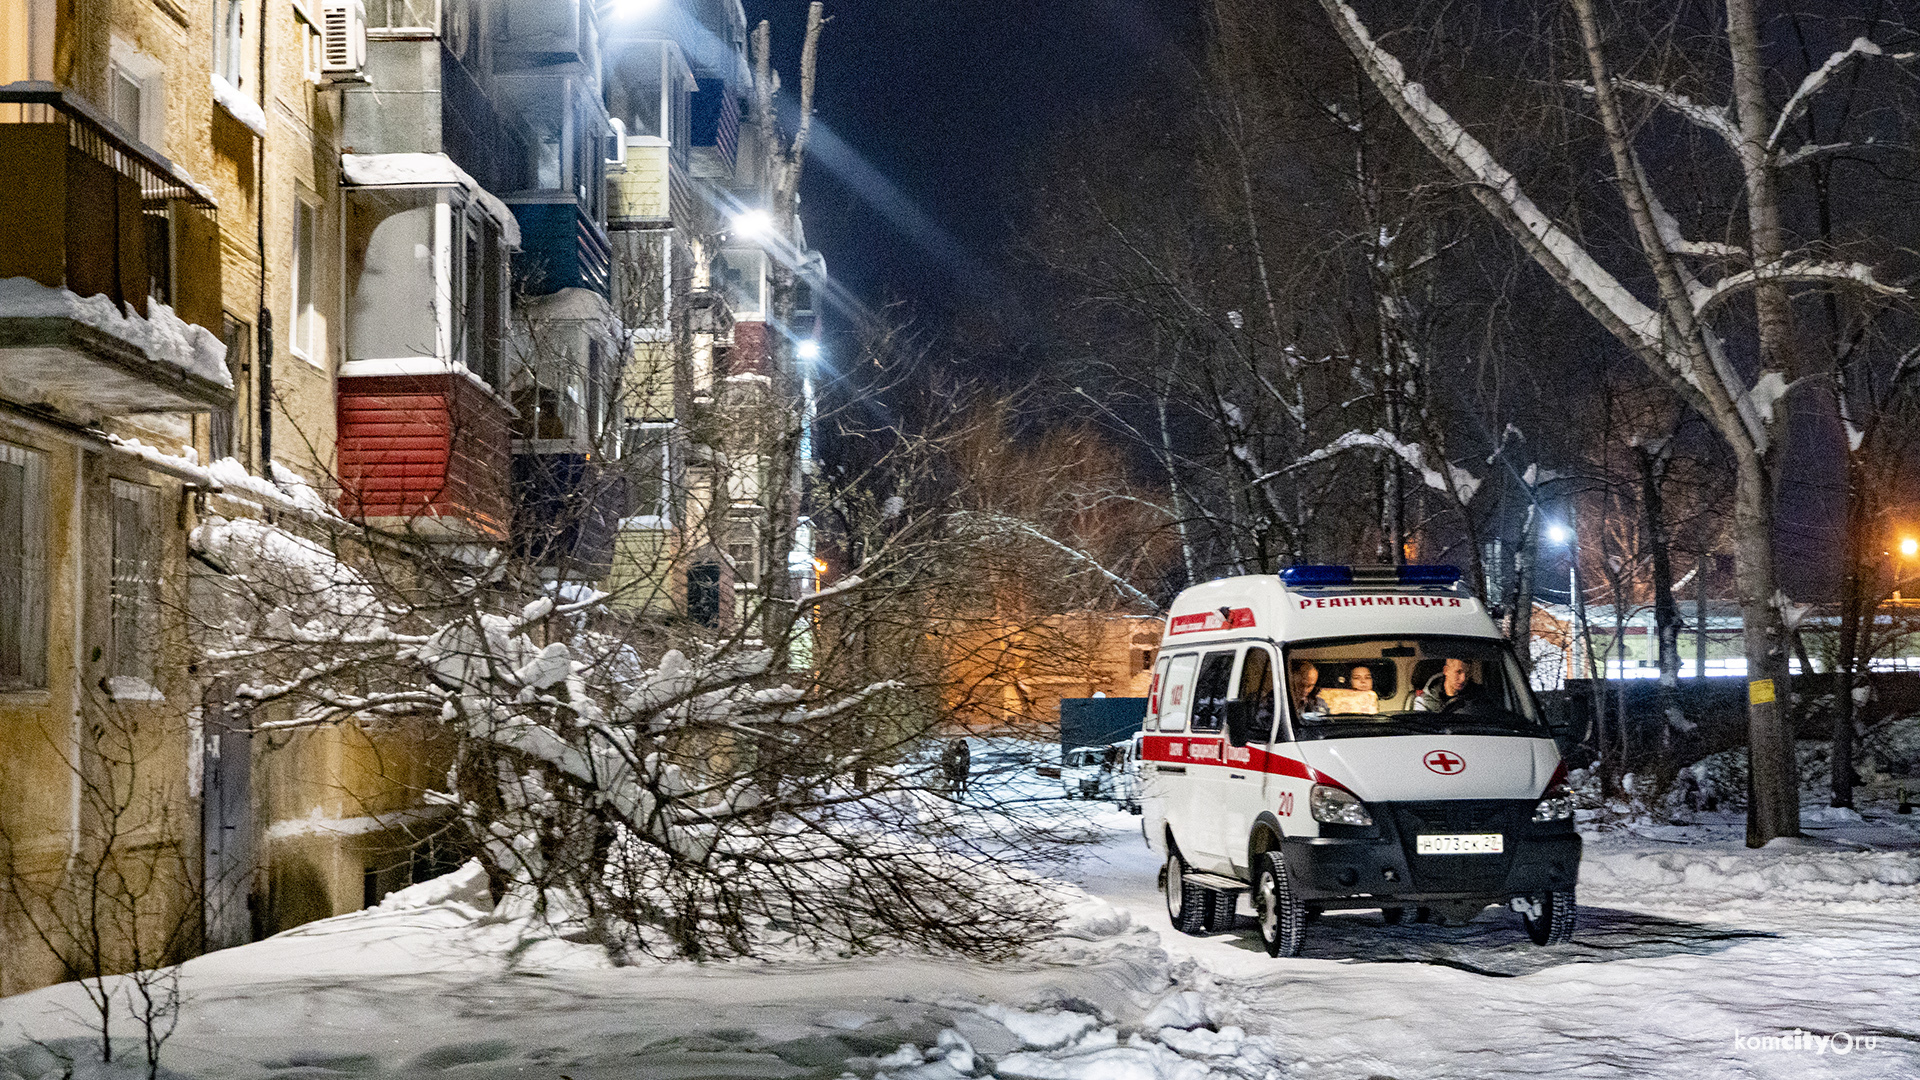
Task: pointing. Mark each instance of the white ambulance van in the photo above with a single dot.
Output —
(1340, 737)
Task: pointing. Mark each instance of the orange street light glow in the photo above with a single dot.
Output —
(1909, 546)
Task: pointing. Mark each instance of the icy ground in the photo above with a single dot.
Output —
(1689, 947)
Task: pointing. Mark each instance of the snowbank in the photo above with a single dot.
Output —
(1708, 875)
(162, 335)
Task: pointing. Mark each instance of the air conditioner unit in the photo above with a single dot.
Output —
(343, 37)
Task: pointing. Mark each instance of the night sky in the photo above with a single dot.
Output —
(930, 112)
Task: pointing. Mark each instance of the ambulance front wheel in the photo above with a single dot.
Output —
(1189, 904)
(1554, 925)
(1281, 912)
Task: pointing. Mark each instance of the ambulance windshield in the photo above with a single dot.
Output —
(1408, 685)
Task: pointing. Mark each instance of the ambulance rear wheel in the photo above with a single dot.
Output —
(1555, 924)
(1189, 904)
(1281, 913)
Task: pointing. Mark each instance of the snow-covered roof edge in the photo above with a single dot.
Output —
(434, 170)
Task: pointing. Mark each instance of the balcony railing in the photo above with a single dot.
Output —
(92, 133)
(106, 229)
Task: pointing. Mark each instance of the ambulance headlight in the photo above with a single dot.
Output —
(1337, 806)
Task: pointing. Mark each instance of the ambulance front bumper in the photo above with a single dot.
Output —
(1365, 865)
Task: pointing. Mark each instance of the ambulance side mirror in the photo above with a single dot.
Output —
(1239, 722)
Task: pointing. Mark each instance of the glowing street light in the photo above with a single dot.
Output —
(1909, 547)
(808, 349)
(1559, 533)
(752, 225)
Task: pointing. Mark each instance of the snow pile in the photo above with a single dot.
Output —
(293, 492)
(465, 887)
(425, 170)
(1710, 875)
(238, 105)
(162, 335)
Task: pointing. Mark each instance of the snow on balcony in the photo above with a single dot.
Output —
(85, 357)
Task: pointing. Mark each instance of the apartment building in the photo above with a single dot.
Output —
(467, 276)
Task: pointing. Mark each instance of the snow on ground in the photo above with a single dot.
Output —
(1691, 950)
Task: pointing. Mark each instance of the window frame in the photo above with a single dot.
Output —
(147, 77)
(133, 599)
(632, 453)
(31, 595)
(302, 340)
(1176, 698)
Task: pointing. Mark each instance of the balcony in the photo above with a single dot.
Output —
(561, 246)
(567, 512)
(109, 268)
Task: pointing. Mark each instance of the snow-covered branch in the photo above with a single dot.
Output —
(1717, 119)
(1833, 273)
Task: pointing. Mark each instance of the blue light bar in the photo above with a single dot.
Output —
(1313, 576)
(1429, 575)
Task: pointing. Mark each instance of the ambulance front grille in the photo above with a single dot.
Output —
(1459, 873)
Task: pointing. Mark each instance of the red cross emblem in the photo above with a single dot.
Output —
(1444, 763)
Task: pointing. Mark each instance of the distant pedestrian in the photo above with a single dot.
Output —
(957, 762)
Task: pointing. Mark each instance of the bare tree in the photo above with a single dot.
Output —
(1681, 338)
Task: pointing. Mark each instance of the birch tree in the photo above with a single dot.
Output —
(1681, 333)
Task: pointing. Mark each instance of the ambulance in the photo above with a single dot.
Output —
(1351, 737)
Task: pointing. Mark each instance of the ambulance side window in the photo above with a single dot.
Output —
(1155, 696)
(1176, 693)
(1256, 686)
(1210, 691)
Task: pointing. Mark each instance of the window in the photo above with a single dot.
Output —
(743, 550)
(23, 568)
(390, 271)
(420, 15)
(1256, 688)
(136, 93)
(647, 458)
(306, 316)
(738, 275)
(642, 269)
(1176, 692)
(230, 42)
(135, 592)
(703, 594)
(223, 424)
(479, 282)
(1210, 692)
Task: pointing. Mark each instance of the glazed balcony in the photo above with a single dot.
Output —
(109, 268)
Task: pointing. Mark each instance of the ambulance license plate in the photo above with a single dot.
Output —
(1460, 844)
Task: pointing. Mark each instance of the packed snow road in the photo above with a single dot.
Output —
(1690, 957)
(1695, 959)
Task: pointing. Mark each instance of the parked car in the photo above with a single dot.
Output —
(1086, 772)
(1126, 778)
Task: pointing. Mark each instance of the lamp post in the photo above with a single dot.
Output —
(1576, 599)
(1909, 549)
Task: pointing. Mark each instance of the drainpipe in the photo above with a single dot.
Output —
(264, 326)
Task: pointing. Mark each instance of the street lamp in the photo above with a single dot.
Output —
(1909, 548)
(807, 349)
(1563, 536)
(753, 224)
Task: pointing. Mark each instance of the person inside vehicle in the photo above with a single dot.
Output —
(1357, 697)
(1452, 689)
(1304, 679)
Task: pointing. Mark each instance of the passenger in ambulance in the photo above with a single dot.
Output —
(1451, 690)
(1357, 696)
